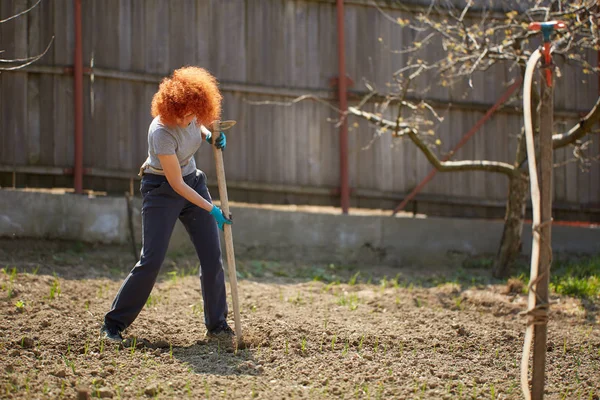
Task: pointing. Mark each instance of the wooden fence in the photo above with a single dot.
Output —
(260, 50)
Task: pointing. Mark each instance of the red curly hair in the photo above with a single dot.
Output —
(191, 90)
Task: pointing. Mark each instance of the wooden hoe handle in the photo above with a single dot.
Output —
(216, 129)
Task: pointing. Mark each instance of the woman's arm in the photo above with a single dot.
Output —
(172, 170)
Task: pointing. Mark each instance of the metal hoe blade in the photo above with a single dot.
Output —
(224, 125)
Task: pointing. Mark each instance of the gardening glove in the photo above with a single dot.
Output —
(220, 217)
(221, 140)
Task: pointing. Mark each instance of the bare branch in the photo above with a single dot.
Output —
(294, 101)
(585, 126)
(21, 13)
(29, 60)
(453, 166)
(442, 166)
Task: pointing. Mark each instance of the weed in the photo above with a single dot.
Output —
(396, 281)
(188, 388)
(206, 389)
(350, 300)
(383, 283)
(580, 279)
(353, 279)
(492, 392)
(287, 350)
(303, 345)
(458, 302)
(379, 393)
(101, 346)
(329, 287)
(346, 346)
(133, 345)
(20, 306)
(333, 342)
(376, 345)
(173, 277)
(152, 301)
(86, 347)
(297, 300)
(54, 289)
(69, 363)
(198, 308)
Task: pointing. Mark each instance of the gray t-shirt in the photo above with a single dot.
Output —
(165, 140)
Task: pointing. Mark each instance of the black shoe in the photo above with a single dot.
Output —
(221, 331)
(110, 334)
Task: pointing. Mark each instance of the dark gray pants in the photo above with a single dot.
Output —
(160, 209)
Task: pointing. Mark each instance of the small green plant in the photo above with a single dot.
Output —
(376, 345)
(333, 342)
(458, 302)
(152, 301)
(379, 393)
(346, 347)
(69, 363)
(173, 277)
(20, 306)
(353, 279)
(101, 346)
(303, 345)
(351, 301)
(206, 389)
(171, 350)
(396, 281)
(297, 300)
(54, 289)
(197, 309)
(383, 283)
(86, 347)
(133, 346)
(287, 350)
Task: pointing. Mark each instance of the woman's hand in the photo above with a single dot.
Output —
(220, 217)
(221, 142)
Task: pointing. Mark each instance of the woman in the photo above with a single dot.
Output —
(173, 188)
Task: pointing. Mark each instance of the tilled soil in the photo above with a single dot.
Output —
(302, 338)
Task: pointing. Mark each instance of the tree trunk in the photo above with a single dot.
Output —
(510, 245)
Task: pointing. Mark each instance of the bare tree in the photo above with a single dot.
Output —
(11, 64)
(475, 40)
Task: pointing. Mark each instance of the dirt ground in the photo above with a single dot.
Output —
(311, 331)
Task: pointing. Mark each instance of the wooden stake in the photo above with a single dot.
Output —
(216, 131)
(546, 169)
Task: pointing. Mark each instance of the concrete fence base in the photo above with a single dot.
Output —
(280, 234)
